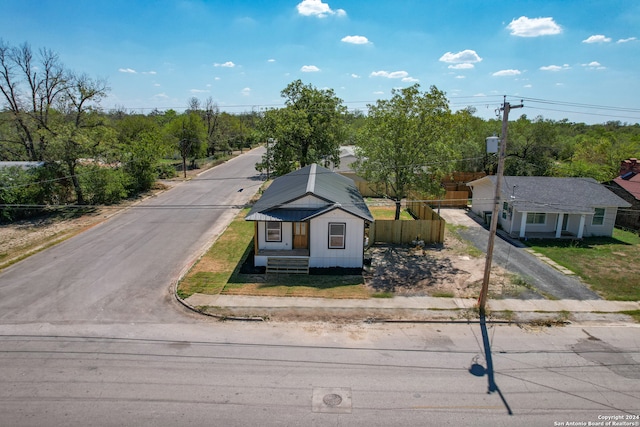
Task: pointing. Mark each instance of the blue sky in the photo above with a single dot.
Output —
(565, 58)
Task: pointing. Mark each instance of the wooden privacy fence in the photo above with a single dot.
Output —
(429, 228)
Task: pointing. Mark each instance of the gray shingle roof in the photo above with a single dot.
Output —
(551, 194)
(336, 190)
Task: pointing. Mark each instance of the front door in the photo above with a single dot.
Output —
(300, 235)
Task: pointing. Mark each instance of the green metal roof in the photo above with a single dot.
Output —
(337, 191)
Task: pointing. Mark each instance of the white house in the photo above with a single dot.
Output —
(314, 216)
(547, 206)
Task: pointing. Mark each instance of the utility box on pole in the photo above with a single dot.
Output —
(492, 144)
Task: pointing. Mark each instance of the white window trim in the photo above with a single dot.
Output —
(604, 214)
(343, 235)
(267, 230)
(534, 215)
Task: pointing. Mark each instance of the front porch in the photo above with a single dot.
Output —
(284, 261)
(543, 235)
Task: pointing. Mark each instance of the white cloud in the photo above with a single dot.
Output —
(355, 40)
(627, 40)
(318, 9)
(594, 65)
(598, 38)
(378, 92)
(506, 73)
(461, 77)
(528, 86)
(390, 75)
(149, 72)
(309, 69)
(355, 76)
(533, 27)
(127, 70)
(465, 56)
(198, 91)
(465, 66)
(246, 91)
(271, 60)
(555, 67)
(410, 80)
(161, 96)
(227, 64)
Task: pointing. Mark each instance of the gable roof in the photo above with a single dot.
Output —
(630, 182)
(336, 190)
(550, 194)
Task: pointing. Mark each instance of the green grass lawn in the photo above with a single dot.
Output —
(608, 265)
(388, 212)
(217, 272)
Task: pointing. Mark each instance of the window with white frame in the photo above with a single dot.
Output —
(337, 232)
(536, 218)
(598, 216)
(273, 231)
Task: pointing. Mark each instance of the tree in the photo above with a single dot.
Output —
(309, 129)
(405, 143)
(532, 147)
(188, 134)
(31, 88)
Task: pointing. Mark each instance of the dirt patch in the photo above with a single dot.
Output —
(442, 270)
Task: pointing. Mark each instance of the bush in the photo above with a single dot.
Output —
(165, 171)
(102, 185)
(19, 188)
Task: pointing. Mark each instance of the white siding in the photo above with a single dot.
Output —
(349, 257)
(606, 229)
(482, 197)
(287, 237)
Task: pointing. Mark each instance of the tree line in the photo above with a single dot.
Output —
(409, 142)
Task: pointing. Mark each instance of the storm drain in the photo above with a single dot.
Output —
(331, 400)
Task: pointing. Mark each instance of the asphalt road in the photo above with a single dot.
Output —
(90, 335)
(239, 374)
(122, 269)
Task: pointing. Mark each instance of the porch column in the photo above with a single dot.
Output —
(581, 226)
(523, 224)
(559, 226)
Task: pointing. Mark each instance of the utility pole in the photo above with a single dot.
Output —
(482, 300)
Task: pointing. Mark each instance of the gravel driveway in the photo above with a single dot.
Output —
(510, 255)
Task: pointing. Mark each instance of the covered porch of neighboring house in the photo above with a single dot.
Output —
(547, 225)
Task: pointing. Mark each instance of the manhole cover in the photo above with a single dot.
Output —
(336, 400)
(332, 399)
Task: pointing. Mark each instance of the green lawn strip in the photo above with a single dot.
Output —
(217, 272)
(608, 265)
(212, 272)
(388, 212)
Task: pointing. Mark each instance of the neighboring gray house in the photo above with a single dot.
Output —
(536, 206)
(313, 216)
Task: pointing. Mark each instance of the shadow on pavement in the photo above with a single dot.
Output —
(478, 370)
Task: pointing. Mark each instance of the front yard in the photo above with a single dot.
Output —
(454, 269)
(450, 270)
(608, 265)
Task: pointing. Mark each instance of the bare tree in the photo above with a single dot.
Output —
(31, 87)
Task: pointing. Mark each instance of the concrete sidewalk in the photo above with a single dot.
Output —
(397, 308)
